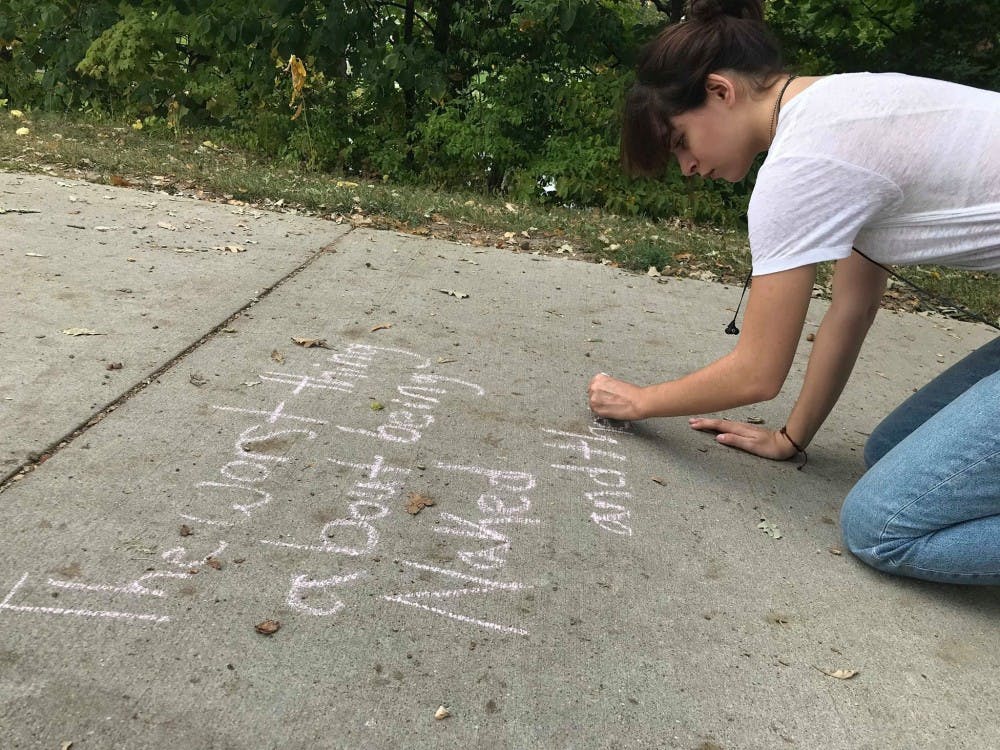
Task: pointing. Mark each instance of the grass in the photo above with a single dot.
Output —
(200, 163)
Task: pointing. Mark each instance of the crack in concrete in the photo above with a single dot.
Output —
(43, 455)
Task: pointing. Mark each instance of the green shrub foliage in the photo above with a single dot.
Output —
(500, 95)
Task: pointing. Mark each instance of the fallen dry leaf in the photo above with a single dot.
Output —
(310, 343)
(653, 271)
(66, 746)
(376, 406)
(197, 379)
(380, 327)
(119, 181)
(268, 627)
(840, 674)
(453, 293)
(81, 332)
(114, 366)
(417, 503)
(755, 420)
(442, 712)
(810, 337)
(213, 563)
(277, 356)
(186, 530)
(658, 480)
(836, 551)
(166, 225)
(230, 248)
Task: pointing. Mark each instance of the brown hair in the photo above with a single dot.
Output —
(670, 77)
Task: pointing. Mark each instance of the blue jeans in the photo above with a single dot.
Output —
(929, 505)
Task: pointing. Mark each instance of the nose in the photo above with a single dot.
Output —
(689, 164)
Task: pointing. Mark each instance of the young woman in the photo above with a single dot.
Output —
(904, 170)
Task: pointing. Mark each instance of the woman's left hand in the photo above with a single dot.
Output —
(747, 437)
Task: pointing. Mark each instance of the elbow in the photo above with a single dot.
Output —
(765, 390)
(855, 317)
(759, 380)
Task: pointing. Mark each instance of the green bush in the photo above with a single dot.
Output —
(493, 96)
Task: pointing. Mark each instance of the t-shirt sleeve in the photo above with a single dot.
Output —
(809, 209)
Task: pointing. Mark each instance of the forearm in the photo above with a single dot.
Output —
(728, 382)
(835, 351)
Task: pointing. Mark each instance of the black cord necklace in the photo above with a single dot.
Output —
(731, 328)
(777, 108)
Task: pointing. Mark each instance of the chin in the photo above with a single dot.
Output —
(738, 177)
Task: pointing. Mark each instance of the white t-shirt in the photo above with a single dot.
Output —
(905, 169)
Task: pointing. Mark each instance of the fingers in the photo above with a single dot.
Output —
(724, 426)
(750, 444)
(612, 398)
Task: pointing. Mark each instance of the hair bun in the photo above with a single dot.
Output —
(712, 10)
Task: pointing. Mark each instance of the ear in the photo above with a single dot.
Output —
(720, 88)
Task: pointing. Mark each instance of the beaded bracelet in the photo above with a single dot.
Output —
(805, 456)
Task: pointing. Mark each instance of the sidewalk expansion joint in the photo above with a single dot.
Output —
(39, 457)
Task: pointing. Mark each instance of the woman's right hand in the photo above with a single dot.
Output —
(615, 399)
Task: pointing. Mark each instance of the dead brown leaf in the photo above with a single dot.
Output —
(268, 627)
(119, 181)
(277, 356)
(836, 551)
(114, 366)
(442, 712)
(417, 503)
(310, 343)
(186, 530)
(381, 327)
(213, 563)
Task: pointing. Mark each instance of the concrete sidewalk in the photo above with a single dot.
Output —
(573, 584)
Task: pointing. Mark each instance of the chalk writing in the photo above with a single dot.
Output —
(110, 614)
(135, 587)
(609, 516)
(303, 586)
(496, 505)
(483, 586)
(177, 556)
(272, 416)
(404, 426)
(370, 507)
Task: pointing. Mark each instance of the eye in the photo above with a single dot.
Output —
(680, 142)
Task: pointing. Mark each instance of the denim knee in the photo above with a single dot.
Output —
(856, 524)
(863, 528)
